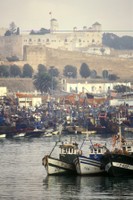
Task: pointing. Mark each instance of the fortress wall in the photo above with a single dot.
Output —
(11, 46)
(35, 55)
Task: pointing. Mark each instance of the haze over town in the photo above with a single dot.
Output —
(114, 15)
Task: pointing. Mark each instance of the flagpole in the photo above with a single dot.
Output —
(50, 13)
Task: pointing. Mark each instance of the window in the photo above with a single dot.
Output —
(99, 150)
(128, 148)
(93, 88)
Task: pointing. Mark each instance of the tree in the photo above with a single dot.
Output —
(42, 31)
(4, 71)
(7, 33)
(93, 74)
(122, 88)
(53, 71)
(70, 71)
(15, 71)
(27, 71)
(84, 70)
(12, 58)
(105, 74)
(113, 41)
(113, 77)
(44, 82)
(42, 68)
(13, 30)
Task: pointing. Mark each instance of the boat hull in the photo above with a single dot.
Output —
(118, 165)
(87, 166)
(55, 166)
(36, 134)
(19, 135)
(2, 135)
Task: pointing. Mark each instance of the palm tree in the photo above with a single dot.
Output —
(44, 82)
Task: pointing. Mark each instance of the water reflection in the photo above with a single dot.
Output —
(22, 174)
(93, 187)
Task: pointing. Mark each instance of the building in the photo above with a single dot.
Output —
(24, 46)
(28, 100)
(91, 87)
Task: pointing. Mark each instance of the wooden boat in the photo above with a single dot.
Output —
(64, 163)
(34, 133)
(91, 164)
(119, 162)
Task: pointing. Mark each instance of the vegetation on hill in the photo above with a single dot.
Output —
(120, 43)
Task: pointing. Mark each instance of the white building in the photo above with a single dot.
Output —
(3, 91)
(118, 102)
(94, 88)
(28, 100)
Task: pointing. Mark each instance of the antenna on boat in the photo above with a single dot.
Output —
(119, 132)
(82, 143)
(53, 148)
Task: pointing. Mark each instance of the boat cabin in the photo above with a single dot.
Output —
(69, 148)
(69, 152)
(96, 151)
(128, 147)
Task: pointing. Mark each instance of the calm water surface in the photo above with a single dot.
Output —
(22, 175)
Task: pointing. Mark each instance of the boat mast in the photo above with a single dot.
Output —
(120, 133)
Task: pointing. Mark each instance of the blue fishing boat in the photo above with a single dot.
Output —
(91, 164)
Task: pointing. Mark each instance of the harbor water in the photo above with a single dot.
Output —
(23, 177)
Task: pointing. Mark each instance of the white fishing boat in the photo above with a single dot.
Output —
(19, 135)
(48, 134)
(87, 165)
(55, 132)
(64, 163)
(88, 132)
(2, 135)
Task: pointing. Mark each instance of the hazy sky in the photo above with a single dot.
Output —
(34, 14)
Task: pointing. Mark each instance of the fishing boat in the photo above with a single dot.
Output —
(19, 135)
(2, 135)
(119, 162)
(64, 163)
(91, 164)
(35, 133)
(88, 132)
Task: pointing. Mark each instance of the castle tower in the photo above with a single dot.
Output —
(53, 25)
(96, 27)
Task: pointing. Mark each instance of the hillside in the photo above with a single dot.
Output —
(122, 67)
(17, 84)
